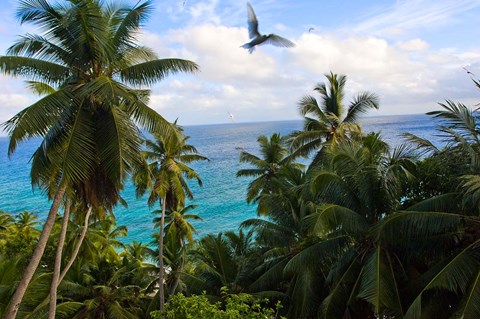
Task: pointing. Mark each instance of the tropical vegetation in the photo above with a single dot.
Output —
(347, 227)
(93, 75)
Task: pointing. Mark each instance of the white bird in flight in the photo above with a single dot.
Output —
(258, 38)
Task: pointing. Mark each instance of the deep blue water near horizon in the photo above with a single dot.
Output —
(221, 200)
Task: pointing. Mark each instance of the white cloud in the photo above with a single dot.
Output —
(267, 84)
(217, 50)
(413, 45)
(369, 61)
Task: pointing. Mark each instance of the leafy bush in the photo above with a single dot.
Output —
(199, 307)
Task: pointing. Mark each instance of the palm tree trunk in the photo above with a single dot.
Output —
(77, 247)
(179, 271)
(160, 257)
(11, 311)
(58, 262)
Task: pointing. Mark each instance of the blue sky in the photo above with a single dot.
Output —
(410, 53)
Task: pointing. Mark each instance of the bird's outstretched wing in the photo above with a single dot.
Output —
(278, 41)
(252, 22)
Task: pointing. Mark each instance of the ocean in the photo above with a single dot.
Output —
(221, 200)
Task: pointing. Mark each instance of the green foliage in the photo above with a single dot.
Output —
(437, 174)
(234, 306)
(224, 260)
(18, 235)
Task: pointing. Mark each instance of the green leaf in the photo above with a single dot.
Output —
(455, 276)
(378, 285)
(330, 218)
(150, 72)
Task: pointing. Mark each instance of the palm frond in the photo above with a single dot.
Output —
(131, 20)
(361, 104)
(150, 72)
(379, 287)
(422, 144)
(404, 227)
(455, 275)
(470, 306)
(40, 88)
(330, 218)
(34, 69)
(327, 250)
(36, 120)
(335, 305)
(441, 203)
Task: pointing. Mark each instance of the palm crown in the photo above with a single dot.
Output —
(88, 119)
(326, 120)
(267, 168)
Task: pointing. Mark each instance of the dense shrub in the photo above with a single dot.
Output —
(199, 307)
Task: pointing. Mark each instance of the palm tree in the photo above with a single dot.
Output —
(448, 227)
(6, 224)
(326, 120)
(138, 251)
(223, 260)
(26, 222)
(357, 185)
(6, 221)
(89, 123)
(267, 169)
(279, 237)
(459, 128)
(177, 230)
(165, 175)
(104, 288)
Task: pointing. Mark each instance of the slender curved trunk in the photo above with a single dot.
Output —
(58, 262)
(160, 257)
(11, 311)
(179, 271)
(77, 247)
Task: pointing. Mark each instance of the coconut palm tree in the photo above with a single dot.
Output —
(164, 176)
(223, 260)
(448, 227)
(178, 229)
(177, 223)
(6, 224)
(89, 124)
(357, 184)
(104, 288)
(459, 128)
(327, 120)
(6, 221)
(266, 169)
(24, 234)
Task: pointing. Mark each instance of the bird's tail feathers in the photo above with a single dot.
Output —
(248, 46)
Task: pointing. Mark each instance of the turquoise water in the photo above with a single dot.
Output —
(221, 201)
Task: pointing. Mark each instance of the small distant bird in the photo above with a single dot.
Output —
(231, 116)
(258, 38)
(468, 72)
(311, 29)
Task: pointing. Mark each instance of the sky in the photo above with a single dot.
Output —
(411, 53)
